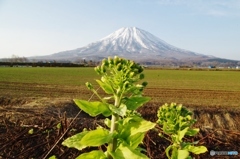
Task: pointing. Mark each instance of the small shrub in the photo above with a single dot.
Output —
(176, 121)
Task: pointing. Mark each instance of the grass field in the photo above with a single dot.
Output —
(41, 98)
(189, 87)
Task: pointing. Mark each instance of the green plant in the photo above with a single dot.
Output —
(125, 131)
(30, 131)
(176, 121)
(52, 157)
(59, 125)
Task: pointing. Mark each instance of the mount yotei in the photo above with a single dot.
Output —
(128, 42)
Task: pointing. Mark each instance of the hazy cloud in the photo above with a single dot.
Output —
(207, 7)
(216, 13)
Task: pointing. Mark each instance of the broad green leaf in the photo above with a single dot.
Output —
(125, 151)
(134, 130)
(96, 137)
(182, 133)
(93, 108)
(96, 154)
(197, 149)
(121, 110)
(182, 154)
(192, 132)
(75, 141)
(106, 87)
(136, 125)
(144, 125)
(135, 140)
(84, 139)
(133, 103)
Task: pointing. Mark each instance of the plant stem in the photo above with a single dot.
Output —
(115, 118)
(114, 127)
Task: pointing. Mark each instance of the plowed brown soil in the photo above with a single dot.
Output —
(219, 128)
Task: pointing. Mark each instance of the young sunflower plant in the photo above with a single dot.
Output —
(125, 129)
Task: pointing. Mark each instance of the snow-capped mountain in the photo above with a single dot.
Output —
(128, 42)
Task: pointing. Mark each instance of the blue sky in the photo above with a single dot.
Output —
(31, 27)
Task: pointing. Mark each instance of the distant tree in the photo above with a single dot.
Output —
(91, 63)
(84, 61)
(14, 58)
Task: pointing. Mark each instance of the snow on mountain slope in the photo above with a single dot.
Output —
(125, 37)
(129, 42)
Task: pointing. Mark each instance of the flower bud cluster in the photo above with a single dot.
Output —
(177, 116)
(121, 73)
(89, 85)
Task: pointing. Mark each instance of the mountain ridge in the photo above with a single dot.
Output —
(128, 42)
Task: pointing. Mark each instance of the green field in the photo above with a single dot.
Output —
(189, 87)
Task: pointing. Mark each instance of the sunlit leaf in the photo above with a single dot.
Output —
(96, 154)
(134, 125)
(106, 87)
(182, 133)
(182, 154)
(84, 139)
(197, 149)
(52, 157)
(125, 151)
(121, 110)
(192, 132)
(96, 137)
(135, 140)
(75, 141)
(93, 108)
(133, 103)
